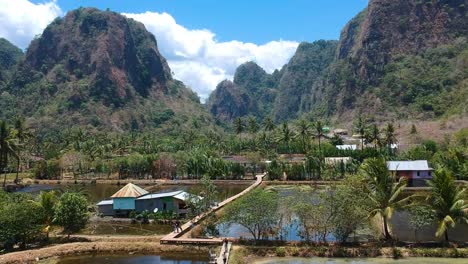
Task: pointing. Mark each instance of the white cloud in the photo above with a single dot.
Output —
(200, 61)
(21, 20)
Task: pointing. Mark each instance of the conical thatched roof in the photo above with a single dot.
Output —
(130, 190)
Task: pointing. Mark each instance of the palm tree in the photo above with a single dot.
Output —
(319, 133)
(373, 135)
(390, 136)
(303, 129)
(8, 148)
(360, 128)
(239, 125)
(384, 191)
(252, 125)
(268, 124)
(23, 133)
(286, 136)
(47, 201)
(447, 201)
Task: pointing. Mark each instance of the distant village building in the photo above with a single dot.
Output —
(337, 160)
(340, 131)
(346, 147)
(417, 172)
(134, 198)
(293, 158)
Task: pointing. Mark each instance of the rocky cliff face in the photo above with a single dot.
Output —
(251, 93)
(391, 28)
(98, 69)
(296, 92)
(10, 55)
(116, 56)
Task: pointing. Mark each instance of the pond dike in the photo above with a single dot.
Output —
(177, 238)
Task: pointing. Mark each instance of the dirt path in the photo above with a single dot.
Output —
(98, 244)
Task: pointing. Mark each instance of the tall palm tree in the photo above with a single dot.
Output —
(252, 125)
(268, 124)
(23, 133)
(239, 125)
(390, 136)
(360, 128)
(448, 201)
(286, 136)
(373, 135)
(383, 191)
(319, 133)
(8, 148)
(303, 130)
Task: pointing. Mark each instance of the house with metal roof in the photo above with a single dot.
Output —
(417, 172)
(134, 198)
(175, 202)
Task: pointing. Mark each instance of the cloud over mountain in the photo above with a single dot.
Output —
(21, 20)
(200, 60)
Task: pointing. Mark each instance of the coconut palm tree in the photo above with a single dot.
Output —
(23, 133)
(390, 136)
(448, 201)
(360, 128)
(268, 124)
(303, 130)
(285, 136)
(383, 191)
(319, 133)
(252, 125)
(239, 125)
(373, 135)
(8, 148)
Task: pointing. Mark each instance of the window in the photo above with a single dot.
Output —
(417, 173)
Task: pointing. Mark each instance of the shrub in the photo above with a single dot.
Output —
(280, 252)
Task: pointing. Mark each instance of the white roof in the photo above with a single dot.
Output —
(346, 147)
(106, 202)
(181, 195)
(408, 165)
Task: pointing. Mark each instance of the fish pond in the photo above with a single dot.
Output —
(290, 229)
(359, 261)
(134, 259)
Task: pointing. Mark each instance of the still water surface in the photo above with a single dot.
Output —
(126, 259)
(360, 261)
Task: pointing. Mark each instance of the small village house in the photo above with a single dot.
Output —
(417, 172)
(133, 198)
(124, 199)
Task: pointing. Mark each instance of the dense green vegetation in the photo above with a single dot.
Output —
(25, 220)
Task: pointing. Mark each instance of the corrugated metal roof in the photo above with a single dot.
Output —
(408, 165)
(130, 190)
(346, 147)
(105, 202)
(181, 195)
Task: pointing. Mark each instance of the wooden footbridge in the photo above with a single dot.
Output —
(176, 238)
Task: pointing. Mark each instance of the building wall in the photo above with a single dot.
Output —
(127, 203)
(106, 210)
(166, 204)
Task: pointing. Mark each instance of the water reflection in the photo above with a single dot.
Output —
(360, 261)
(116, 259)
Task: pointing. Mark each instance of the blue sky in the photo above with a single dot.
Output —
(256, 21)
(204, 41)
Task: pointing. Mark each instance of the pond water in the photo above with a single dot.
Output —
(360, 261)
(98, 192)
(140, 259)
(399, 225)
